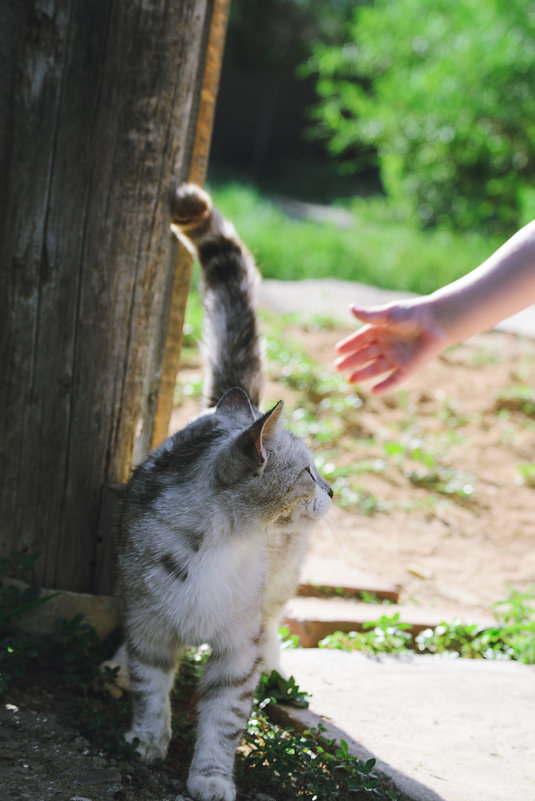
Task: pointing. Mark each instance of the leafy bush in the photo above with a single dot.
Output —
(444, 95)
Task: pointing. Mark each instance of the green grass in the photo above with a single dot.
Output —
(379, 249)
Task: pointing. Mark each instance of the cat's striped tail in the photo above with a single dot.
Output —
(231, 342)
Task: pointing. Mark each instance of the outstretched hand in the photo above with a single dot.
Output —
(397, 339)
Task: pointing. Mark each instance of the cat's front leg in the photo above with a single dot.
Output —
(151, 680)
(271, 647)
(226, 693)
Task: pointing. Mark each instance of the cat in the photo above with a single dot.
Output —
(214, 525)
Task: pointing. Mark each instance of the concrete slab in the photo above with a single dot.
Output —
(443, 729)
(331, 298)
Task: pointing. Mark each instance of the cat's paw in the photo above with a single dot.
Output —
(148, 749)
(211, 788)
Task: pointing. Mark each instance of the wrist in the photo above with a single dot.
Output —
(449, 316)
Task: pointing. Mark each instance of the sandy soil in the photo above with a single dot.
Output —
(465, 552)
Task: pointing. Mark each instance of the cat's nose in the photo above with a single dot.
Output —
(330, 493)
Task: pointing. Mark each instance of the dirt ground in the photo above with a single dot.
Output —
(442, 551)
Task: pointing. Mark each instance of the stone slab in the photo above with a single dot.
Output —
(101, 611)
(444, 729)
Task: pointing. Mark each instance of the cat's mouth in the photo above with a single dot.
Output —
(315, 511)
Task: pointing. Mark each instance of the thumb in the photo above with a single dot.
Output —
(374, 314)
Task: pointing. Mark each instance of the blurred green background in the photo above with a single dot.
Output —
(415, 119)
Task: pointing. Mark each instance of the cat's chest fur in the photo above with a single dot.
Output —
(207, 593)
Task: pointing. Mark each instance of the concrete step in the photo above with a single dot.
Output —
(322, 576)
(443, 729)
(312, 619)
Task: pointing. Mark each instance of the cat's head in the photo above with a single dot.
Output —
(265, 469)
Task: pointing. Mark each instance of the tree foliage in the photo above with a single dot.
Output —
(443, 93)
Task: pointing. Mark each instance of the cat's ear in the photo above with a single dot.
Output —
(235, 404)
(263, 431)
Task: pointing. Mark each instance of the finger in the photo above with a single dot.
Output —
(394, 379)
(356, 340)
(358, 358)
(378, 367)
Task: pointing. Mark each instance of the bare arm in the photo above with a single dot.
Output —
(400, 337)
(503, 285)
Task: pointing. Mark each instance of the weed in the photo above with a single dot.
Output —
(519, 398)
(512, 637)
(287, 640)
(388, 635)
(273, 688)
(527, 474)
(445, 480)
(350, 495)
(305, 765)
(456, 484)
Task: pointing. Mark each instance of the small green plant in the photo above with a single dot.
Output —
(350, 495)
(388, 635)
(287, 640)
(446, 480)
(527, 473)
(519, 398)
(306, 765)
(512, 637)
(516, 615)
(274, 688)
(429, 472)
(465, 639)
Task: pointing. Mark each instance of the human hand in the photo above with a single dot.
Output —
(397, 339)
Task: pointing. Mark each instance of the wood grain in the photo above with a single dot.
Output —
(99, 103)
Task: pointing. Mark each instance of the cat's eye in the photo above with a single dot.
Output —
(309, 471)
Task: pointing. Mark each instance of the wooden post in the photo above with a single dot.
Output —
(205, 121)
(98, 110)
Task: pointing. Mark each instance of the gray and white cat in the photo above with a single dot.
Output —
(214, 526)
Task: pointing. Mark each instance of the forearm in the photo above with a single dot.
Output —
(501, 286)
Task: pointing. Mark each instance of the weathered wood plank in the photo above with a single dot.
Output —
(100, 120)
